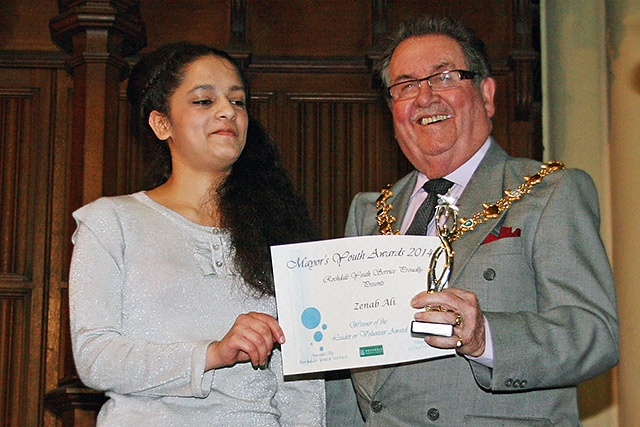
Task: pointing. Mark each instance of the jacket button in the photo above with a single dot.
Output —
(508, 383)
(489, 274)
(376, 406)
(433, 414)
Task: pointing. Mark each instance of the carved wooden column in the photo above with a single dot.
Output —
(237, 46)
(379, 16)
(524, 59)
(98, 35)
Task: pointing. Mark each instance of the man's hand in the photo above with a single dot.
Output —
(458, 308)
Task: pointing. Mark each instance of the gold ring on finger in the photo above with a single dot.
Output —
(458, 320)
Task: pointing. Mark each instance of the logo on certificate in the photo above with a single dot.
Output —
(372, 350)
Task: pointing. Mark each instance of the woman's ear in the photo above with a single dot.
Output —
(159, 123)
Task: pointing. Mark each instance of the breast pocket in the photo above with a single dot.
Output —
(501, 276)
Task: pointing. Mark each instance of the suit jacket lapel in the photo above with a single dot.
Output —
(486, 186)
(401, 194)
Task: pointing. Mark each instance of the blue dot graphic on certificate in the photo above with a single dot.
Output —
(311, 318)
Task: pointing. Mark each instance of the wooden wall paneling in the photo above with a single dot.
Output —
(129, 156)
(492, 19)
(379, 17)
(298, 28)
(25, 154)
(15, 316)
(524, 59)
(16, 106)
(15, 283)
(335, 145)
(262, 106)
(24, 25)
(62, 227)
(199, 21)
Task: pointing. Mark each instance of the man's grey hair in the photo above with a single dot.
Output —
(473, 47)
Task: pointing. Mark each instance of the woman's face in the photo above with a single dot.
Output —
(206, 128)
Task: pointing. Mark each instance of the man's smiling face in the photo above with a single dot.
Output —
(439, 130)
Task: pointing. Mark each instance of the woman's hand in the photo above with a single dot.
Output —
(251, 338)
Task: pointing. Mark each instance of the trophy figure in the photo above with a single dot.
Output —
(438, 275)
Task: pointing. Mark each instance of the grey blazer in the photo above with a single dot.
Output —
(547, 294)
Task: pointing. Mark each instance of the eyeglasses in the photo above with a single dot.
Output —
(408, 89)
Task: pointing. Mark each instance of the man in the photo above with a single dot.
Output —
(531, 295)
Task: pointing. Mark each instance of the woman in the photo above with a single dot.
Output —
(171, 293)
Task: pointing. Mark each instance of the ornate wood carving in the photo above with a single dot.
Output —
(99, 27)
(97, 35)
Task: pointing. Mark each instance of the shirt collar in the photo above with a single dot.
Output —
(461, 176)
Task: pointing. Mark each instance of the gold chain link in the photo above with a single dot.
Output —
(385, 220)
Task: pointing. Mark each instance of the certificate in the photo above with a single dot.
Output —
(345, 303)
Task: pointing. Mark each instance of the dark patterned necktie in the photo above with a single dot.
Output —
(427, 209)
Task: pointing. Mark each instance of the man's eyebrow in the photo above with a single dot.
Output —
(442, 66)
(436, 69)
(404, 77)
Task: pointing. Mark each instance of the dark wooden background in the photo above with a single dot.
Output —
(63, 139)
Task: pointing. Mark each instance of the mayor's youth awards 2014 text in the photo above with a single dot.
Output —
(344, 303)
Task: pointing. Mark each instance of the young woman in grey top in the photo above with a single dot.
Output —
(172, 299)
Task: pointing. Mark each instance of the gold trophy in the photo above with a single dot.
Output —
(438, 275)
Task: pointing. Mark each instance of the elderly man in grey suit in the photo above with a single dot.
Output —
(531, 296)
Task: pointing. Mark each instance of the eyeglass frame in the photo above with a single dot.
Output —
(464, 75)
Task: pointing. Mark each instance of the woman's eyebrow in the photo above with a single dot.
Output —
(234, 88)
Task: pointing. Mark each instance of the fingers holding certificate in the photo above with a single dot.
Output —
(345, 303)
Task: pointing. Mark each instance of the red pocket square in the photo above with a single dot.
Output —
(504, 232)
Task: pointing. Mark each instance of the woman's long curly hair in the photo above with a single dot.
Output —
(258, 203)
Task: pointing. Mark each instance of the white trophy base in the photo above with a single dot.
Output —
(428, 328)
